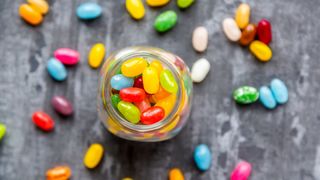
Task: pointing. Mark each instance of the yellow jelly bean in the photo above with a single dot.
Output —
(93, 156)
(127, 178)
(167, 103)
(96, 55)
(39, 5)
(158, 65)
(150, 78)
(261, 50)
(156, 3)
(175, 174)
(242, 16)
(133, 67)
(29, 14)
(135, 8)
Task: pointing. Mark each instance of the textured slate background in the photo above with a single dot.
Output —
(283, 144)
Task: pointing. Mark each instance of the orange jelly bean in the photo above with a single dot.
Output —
(160, 95)
(59, 173)
(248, 34)
(29, 14)
(39, 5)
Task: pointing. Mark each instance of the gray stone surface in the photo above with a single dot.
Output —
(282, 144)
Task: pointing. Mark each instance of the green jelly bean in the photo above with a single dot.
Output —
(246, 95)
(115, 99)
(165, 21)
(129, 111)
(184, 3)
(168, 82)
(2, 130)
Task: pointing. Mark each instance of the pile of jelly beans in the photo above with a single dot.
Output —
(33, 11)
(240, 29)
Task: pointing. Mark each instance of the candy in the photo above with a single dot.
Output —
(184, 3)
(242, 16)
(200, 39)
(127, 178)
(132, 94)
(59, 173)
(119, 82)
(62, 105)
(248, 34)
(264, 31)
(135, 8)
(261, 51)
(165, 21)
(199, 70)
(39, 5)
(115, 99)
(43, 121)
(57, 70)
(231, 29)
(29, 14)
(138, 82)
(143, 105)
(279, 91)
(67, 56)
(96, 55)
(152, 115)
(175, 174)
(246, 95)
(133, 67)
(266, 98)
(241, 171)
(89, 10)
(167, 103)
(168, 82)
(3, 130)
(160, 95)
(150, 79)
(157, 64)
(202, 157)
(93, 156)
(129, 111)
(157, 3)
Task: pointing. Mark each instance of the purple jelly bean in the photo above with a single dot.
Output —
(62, 105)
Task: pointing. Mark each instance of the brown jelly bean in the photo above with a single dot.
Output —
(248, 34)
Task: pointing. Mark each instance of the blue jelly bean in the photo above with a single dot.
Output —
(202, 157)
(266, 98)
(279, 91)
(119, 82)
(89, 11)
(57, 70)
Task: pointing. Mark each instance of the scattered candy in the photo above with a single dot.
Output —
(260, 50)
(242, 16)
(62, 105)
(96, 55)
(157, 3)
(67, 56)
(135, 8)
(30, 15)
(152, 115)
(246, 95)
(200, 70)
(176, 174)
(231, 29)
(115, 99)
(241, 171)
(89, 10)
(59, 173)
(129, 111)
(43, 121)
(168, 82)
(93, 156)
(132, 94)
(264, 31)
(266, 98)
(39, 5)
(165, 21)
(57, 70)
(202, 157)
(200, 39)
(248, 34)
(150, 80)
(184, 3)
(3, 130)
(134, 66)
(279, 91)
(119, 82)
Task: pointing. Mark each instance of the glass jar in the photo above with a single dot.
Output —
(165, 129)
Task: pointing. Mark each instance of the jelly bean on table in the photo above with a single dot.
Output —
(246, 95)
(62, 105)
(165, 21)
(57, 70)
(119, 82)
(264, 31)
(89, 10)
(200, 39)
(3, 130)
(241, 171)
(199, 70)
(157, 3)
(151, 80)
(202, 157)
(231, 29)
(152, 115)
(184, 3)
(133, 67)
(59, 173)
(96, 55)
(129, 111)
(176, 174)
(242, 16)
(30, 14)
(261, 51)
(168, 82)
(43, 121)
(248, 34)
(39, 5)
(266, 98)
(93, 156)
(135, 8)
(279, 91)
(132, 94)
(67, 56)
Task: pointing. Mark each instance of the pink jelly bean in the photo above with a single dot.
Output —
(241, 171)
(67, 56)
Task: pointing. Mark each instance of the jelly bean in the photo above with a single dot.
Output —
(168, 82)
(43, 121)
(231, 29)
(264, 31)
(39, 5)
(160, 95)
(143, 105)
(184, 3)
(67, 56)
(119, 82)
(246, 95)
(135, 8)
(157, 64)
(115, 99)
(29, 14)
(176, 174)
(127, 178)
(199, 70)
(167, 103)
(129, 111)
(150, 79)
(62, 105)
(96, 55)
(261, 51)
(132, 94)
(57, 70)
(3, 130)
(202, 157)
(266, 98)
(279, 91)
(59, 173)
(157, 3)
(89, 10)
(200, 39)
(152, 115)
(93, 156)
(242, 16)
(241, 171)
(248, 34)
(134, 66)
(165, 21)
(138, 82)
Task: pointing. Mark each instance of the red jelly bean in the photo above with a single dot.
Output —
(241, 171)
(62, 105)
(132, 94)
(43, 121)
(138, 82)
(264, 31)
(152, 115)
(143, 105)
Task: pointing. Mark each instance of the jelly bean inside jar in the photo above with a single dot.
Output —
(142, 92)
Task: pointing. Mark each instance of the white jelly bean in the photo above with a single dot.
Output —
(231, 29)
(200, 39)
(200, 70)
